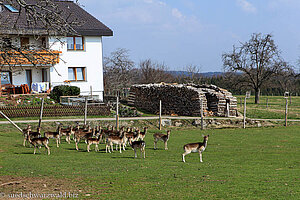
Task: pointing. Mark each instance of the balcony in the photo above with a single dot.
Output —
(29, 57)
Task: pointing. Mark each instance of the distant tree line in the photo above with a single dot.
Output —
(255, 65)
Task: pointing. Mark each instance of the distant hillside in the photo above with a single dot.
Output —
(206, 74)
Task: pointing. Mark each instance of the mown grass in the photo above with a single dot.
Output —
(275, 109)
(257, 163)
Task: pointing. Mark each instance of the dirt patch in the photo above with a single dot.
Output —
(34, 187)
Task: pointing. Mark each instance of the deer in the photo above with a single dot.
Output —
(38, 142)
(68, 132)
(95, 141)
(195, 147)
(143, 133)
(118, 140)
(55, 135)
(159, 136)
(82, 134)
(138, 145)
(132, 136)
(31, 134)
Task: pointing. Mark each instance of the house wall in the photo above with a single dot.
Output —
(19, 76)
(90, 58)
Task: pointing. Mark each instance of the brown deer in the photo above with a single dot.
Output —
(54, 134)
(95, 141)
(38, 142)
(138, 145)
(82, 134)
(67, 132)
(31, 134)
(159, 136)
(118, 140)
(195, 147)
(143, 133)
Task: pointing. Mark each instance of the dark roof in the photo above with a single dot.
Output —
(87, 24)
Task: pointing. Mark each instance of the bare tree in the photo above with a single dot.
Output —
(153, 72)
(31, 17)
(258, 59)
(190, 75)
(118, 70)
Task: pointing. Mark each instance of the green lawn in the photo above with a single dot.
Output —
(275, 110)
(257, 163)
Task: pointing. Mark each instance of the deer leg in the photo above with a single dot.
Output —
(155, 144)
(166, 145)
(57, 142)
(46, 146)
(24, 143)
(34, 150)
(184, 154)
(76, 145)
(135, 153)
(96, 148)
(120, 148)
(200, 154)
(88, 148)
(144, 152)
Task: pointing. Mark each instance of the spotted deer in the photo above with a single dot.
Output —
(195, 147)
(82, 134)
(38, 142)
(54, 134)
(159, 136)
(138, 145)
(118, 140)
(95, 141)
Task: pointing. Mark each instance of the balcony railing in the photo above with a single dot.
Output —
(29, 57)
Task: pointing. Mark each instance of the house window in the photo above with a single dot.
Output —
(75, 43)
(77, 73)
(6, 78)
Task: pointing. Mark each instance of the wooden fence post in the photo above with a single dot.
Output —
(160, 114)
(267, 102)
(201, 112)
(244, 124)
(41, 113)
(117, 114)
(85, 110)
(286, 112)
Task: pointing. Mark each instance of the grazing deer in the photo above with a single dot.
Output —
(31, 134)
(95, 141)
(162, 137)
(138, 145)
(195, 147)
(118, 140)
(55, 135)
(38, 142)
(143, 133)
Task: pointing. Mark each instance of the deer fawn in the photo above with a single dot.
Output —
(38, 142)
(195, 147)
(138, 145)
(55, 135)
(162, 137)
(67, 132)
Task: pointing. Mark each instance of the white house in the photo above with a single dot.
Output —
(76, 60)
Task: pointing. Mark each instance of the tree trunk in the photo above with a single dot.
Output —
(257, 91)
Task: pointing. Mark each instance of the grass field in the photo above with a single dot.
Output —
(275, 110)
(257, 163)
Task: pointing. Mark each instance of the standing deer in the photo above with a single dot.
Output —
(38, 142)
(162, 137)
(195, 147)
(95, 141)
(138, 145)
(55, 135)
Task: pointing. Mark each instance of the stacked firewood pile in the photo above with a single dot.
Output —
(183, 99)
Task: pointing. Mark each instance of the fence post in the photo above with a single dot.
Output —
(244, 124)
(41, 113)
(160, 114)
(201, 112)
(286, 112)
(85, 110)
(267, 102)
(117, 114)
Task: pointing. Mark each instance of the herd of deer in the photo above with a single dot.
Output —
(93, 136)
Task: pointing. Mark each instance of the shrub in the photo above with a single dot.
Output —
(64, 90)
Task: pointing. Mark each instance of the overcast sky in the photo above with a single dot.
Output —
(184, 32)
